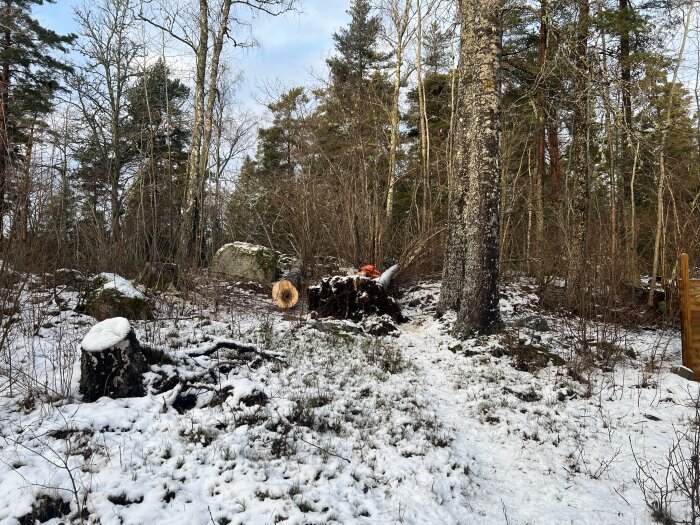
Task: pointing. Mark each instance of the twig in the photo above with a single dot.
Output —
(321, 448)
(625, 499)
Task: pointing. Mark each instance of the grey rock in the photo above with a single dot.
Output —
(684, 372)
(113, 296)
(246, 261)
(161, 276)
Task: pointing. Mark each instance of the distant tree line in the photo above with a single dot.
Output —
(124, 157)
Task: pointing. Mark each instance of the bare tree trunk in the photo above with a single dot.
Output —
(554, 155)
(666, 122)
(192, 202)
(26, 189)
(541, 137)
(400, 21)
(609, 132)
(633, 213)
(423, 126)
(532, 185)
(209, 119)
(471, 268)
(453, 120)
(628, 236)
(579, 218)
(4, 106)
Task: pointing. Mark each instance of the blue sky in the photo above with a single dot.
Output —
(292, 46)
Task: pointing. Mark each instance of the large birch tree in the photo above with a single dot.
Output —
(216, 25)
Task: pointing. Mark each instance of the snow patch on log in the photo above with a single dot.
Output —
(106, 334)
(388, 275)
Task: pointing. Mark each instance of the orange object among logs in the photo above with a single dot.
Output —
(369, 271)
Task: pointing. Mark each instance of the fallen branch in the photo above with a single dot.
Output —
(232, 345)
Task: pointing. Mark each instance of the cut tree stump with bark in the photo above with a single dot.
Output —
(112, 362)
(285, 292)
(352, 297)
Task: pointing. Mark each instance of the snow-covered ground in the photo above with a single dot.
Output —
(293, 420)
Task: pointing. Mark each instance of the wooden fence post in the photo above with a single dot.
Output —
(685, 310)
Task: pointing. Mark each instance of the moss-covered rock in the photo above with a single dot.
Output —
(246, 261)
(113, 296)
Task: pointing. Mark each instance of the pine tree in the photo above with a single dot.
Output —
(158, 135)
(278, 143)
(28, 77)
(357, 45)
(355, 128)
(436, 44)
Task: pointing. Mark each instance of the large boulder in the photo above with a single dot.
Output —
(246, 261)
(112, 363)
(111, 295)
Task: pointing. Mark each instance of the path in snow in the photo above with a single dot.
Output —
(538, 459)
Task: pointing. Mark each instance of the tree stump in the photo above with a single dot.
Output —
(111, 363)
(352, 297)
(160, 276)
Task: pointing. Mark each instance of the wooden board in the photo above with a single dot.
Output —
(690, 318)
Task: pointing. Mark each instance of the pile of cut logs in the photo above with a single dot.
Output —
(343, 297)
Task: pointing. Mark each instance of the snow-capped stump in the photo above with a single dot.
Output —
(112, 362)
(113, 296)
(352, 297)
(246, 261)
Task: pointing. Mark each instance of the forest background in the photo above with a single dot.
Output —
(134, 139)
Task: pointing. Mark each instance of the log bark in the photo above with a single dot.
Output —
(352, 297)
(112, 363)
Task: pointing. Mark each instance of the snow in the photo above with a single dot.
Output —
(243, 247)
(124, 287)
(106, 334)
(419, 428)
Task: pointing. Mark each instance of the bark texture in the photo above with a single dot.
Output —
(628, 156)
(471, 268)
(576, 281)
(352, 298)
(115, 372)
